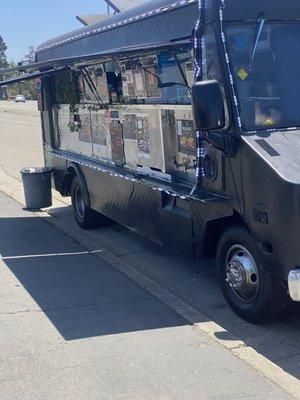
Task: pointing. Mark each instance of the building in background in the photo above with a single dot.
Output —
(113, 7)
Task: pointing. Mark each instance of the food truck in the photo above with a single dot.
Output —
(181, 121)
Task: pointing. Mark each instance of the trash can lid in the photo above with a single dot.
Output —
(35, 170)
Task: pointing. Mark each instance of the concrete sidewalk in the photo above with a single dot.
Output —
(72, 327)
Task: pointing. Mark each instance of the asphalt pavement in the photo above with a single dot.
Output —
(74, 327)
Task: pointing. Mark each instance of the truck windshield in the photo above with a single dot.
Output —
(267, 81)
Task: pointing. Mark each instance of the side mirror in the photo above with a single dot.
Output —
(208, 106)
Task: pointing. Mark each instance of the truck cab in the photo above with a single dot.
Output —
(250, 117)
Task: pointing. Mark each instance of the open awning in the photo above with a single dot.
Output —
(25, 77)
(20, 78)
(37, 69)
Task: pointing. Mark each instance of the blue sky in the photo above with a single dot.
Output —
(29, 22)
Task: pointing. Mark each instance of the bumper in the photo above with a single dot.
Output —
(294, 284)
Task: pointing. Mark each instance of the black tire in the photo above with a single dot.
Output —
(261, 296)
(85, 217)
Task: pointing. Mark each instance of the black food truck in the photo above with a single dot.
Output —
(181, 121)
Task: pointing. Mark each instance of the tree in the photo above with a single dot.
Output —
(3, 64)
(29, 57)
(3, 58)
(28, 88)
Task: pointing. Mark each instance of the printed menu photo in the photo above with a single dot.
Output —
(186, 136)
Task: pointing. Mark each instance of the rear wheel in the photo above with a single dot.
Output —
(85, 217)
(250, 290)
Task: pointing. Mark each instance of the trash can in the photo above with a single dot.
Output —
(37, 187)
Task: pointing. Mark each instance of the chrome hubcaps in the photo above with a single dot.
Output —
(242, 273)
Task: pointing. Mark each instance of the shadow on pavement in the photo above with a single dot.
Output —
(197, 285)
(84, 297)
(81, 294)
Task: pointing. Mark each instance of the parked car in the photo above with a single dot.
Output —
(20, 98)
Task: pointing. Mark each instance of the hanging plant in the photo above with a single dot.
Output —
(75, 122)
(74, 109)
(93, 107)
(74, 126)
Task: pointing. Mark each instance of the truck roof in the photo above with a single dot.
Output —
(153, 22)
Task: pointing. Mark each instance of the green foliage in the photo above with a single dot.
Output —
(65, 88)
(3, 64)
(74, 126)
(3, 58)
(28, 88)
(29, 57)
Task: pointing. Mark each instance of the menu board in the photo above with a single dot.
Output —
(99, 129)
(139, 78)
(151, 72)
(84, 133)
(143, 135)
(127, 80)
(139, 81)
(98, 82)
(186, 136)
(130, 126)
(117, 143)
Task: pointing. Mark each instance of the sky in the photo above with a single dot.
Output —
(25, 23)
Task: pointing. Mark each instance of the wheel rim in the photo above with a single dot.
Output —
(79, 202)
(242, 273)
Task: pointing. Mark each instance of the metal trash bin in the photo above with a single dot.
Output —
(37, 187)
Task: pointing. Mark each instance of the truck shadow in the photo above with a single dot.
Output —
(197, 285)
(83, 296)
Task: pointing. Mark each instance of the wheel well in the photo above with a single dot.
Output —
(215, 229)
(67, 181)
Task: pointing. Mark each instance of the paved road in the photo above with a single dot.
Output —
(151, 345)
(21, 141)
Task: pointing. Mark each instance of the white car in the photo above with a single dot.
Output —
(20, 98)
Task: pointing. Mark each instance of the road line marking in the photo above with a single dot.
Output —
(76, 253)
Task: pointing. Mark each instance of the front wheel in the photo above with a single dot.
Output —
(250, 290)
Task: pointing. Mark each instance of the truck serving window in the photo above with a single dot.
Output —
(92, 84)
(65, 88)
(163, 78)
(265, 61)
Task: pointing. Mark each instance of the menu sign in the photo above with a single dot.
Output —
(117, 143)
(186, 136)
